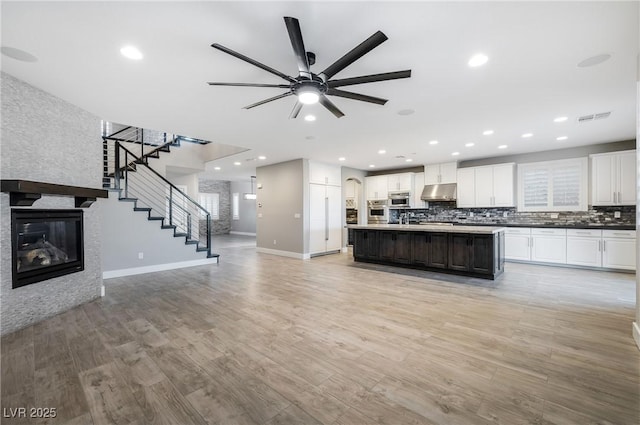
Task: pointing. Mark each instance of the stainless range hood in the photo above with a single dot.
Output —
(439, 192)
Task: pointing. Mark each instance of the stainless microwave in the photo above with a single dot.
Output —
(399, 199)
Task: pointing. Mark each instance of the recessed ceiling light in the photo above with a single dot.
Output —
(478, 59)
(131, 52)
(469, 144)
(433, 142)
(455, 154)
(262, 157)
(409, 160)
(594, 60)
(560, 119)
(562, 138)
(382, 151)
(310, 118)
(17, 54)
(342, 158)
(371, 166)
(310, 137)
(216, 168)
(527, 135)
(406, 112)
(237, 163)
(487, 132)
(502, 147)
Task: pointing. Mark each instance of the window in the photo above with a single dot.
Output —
(235, 207)
(211, 203)
(553, 185)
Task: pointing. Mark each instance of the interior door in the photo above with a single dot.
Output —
(317, 223)
(333, 194)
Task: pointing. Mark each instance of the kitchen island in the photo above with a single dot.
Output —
(476, 251)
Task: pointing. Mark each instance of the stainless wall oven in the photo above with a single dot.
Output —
(378, 212)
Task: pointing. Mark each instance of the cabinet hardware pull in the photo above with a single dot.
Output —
(604, 246)
(619, 198)
(326, 219)
(599, 246)
(615, 197)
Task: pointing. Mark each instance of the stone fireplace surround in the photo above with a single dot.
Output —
(47, 139)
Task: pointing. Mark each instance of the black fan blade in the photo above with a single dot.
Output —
(271, 99)
(293, 27)
(252, 62)
(330, 106)
(356, 96)
(296, 110)
(360, 50)
(370, 78)
(279, 86)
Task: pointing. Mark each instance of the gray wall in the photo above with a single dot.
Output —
(223, 225)
(577, 152)
(127, 233)
(47, 139)
(284, 193)
(247, 210)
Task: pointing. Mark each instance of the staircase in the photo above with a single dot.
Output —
(126, 170)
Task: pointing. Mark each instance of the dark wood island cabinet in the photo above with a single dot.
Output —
(466, 250)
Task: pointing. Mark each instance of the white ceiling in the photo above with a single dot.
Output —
(531, 77)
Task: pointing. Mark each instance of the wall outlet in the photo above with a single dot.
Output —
(259, 215)
(274, 242)
(616, 214)
(487, 215)
(296, 215)
(140, 255)
(470, 213)
(505, 214)
(103, 291)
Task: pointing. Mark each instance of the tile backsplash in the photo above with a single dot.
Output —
(448, 212)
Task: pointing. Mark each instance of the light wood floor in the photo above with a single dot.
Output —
(261, 339)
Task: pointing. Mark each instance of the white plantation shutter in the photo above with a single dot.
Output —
(553, 185)
(211, 202)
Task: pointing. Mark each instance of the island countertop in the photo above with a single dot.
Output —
(481, 230)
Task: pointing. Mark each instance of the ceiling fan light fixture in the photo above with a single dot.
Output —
(308, 97)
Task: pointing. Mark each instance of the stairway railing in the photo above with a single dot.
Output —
(134, 178)
(143, 142)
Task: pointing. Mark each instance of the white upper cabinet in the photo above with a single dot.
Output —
(613, 178)
(487, 186)
(418, 185)
(445, 172)
(321, 173)
(376, 187)
(466, 188)
(401, 182)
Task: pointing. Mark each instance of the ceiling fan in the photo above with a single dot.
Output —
(310, 87)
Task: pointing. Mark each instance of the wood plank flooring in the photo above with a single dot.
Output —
(260, 339)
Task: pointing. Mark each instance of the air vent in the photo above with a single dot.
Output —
(592, 117)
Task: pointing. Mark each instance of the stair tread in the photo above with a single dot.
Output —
(155, 218)
(168, 226)
(213, 256)
(179, 235)
(141, 209)
(128, 199)
(191, 242)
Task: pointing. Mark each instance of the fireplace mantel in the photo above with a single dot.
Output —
(24, 193)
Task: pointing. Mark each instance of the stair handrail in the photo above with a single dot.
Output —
(172, 187)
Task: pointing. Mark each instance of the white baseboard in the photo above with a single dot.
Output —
(233, 232)
(284, 253)
(636, 333)
(157, 268)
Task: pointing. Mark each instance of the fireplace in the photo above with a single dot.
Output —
(45, 244)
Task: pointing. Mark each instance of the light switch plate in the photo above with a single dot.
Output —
(616, 214)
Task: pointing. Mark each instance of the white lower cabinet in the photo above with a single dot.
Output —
(549, 245)
(619, 249)
(584, 247)
(517, 243)
(609, 249)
